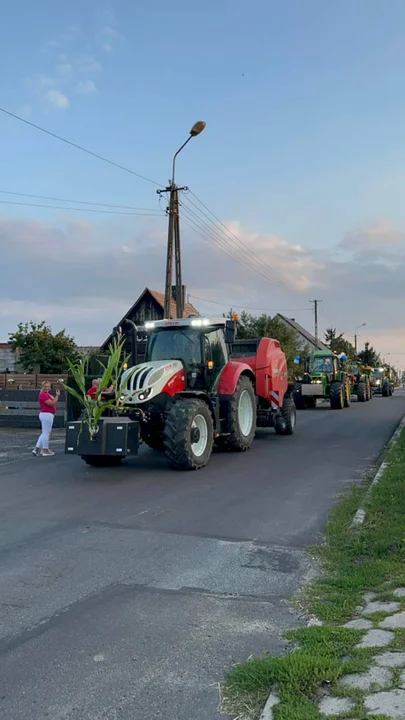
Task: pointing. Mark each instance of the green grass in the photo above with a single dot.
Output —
(354, 561)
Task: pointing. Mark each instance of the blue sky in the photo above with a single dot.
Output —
(304, 104)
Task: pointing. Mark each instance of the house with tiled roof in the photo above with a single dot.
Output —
(149, 306)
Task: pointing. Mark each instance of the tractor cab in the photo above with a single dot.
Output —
(323, 364)
(199, 344)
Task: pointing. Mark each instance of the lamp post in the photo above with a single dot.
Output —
(355, 336)
(173, 237)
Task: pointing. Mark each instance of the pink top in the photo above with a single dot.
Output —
(43, 396)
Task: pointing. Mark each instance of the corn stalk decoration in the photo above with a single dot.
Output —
(93, 409)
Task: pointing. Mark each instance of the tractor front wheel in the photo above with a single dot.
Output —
(362, 392)
(189, 434)
(336, 396)
(242, 416)
(285, 423)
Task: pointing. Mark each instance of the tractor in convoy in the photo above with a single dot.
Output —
(359, 377)
(324, 378)
(199, 386)
(383, 381)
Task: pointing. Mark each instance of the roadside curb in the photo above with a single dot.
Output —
(361, 512)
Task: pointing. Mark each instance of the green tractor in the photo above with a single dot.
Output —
(383, 384)
(359, 377)
(324, 378)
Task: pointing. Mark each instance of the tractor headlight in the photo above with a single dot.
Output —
(317, 381)
(149, 325)
(145, 394)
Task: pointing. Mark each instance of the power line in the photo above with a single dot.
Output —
(226, 245)
(247, 307)
(272, 276)
(78, 147)
(80, 202)
(78, 209)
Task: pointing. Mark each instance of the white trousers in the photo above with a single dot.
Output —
(46, 424)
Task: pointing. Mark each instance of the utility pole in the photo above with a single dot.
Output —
(173, 235)
(315, 304)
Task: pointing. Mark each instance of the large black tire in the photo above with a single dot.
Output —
(362, 392)
(300, 402)
(347, 394)
(102, 460)
(154, 439)
(189, 422)
(336, 396)
(285, 423)
(241, 419)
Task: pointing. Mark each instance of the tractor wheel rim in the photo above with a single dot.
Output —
(200, 445)
(293, 417)
(245, 413)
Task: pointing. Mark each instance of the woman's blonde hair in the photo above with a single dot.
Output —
(46, 382)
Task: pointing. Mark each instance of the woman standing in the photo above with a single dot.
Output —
(47, 408)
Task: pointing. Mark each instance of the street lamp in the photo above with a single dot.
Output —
(355, 336)
(173, 238)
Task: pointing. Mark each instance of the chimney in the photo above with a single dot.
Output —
(183, 294)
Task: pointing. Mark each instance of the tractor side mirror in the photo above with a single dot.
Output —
(230, 332)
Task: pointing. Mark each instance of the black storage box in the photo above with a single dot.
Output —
(118, 436)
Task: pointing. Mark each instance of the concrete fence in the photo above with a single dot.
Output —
(20, 409)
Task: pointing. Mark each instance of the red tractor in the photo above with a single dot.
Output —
(198, 386)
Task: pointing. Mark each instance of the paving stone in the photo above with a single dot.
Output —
(399, 592)
(394, 621)
(369, 596)
(391, 704)
(359, 624)
(376, 638)
(390, 659)
(378, 678)
(332, 707)
(267, 713)
(379, 606)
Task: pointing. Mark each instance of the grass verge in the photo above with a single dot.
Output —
(354, 561)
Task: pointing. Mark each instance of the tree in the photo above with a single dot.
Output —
(338, 343)
(369, 356)
(37, 347)
(264, 326)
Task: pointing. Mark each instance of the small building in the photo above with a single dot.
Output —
(8, 360)
(305, 338)
(149, 306)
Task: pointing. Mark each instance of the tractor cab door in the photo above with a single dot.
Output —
(215, 358)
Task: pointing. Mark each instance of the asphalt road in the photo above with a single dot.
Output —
(127, 593)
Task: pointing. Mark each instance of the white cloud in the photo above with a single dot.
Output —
(108, 36)
(86, 87)
(124, 258)
(57, 99)
(64, 68)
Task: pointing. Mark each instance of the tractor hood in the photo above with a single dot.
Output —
(144, 382)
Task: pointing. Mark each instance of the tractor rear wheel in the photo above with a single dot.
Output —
(102, 460)
(347, 394)
(385, 392)
(362, 392)
(285, 423)
(189, 434)
(336, 395)
(242, 416)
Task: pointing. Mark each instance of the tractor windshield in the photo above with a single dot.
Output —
(377, 373)
(175, 344)
(321, 364)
